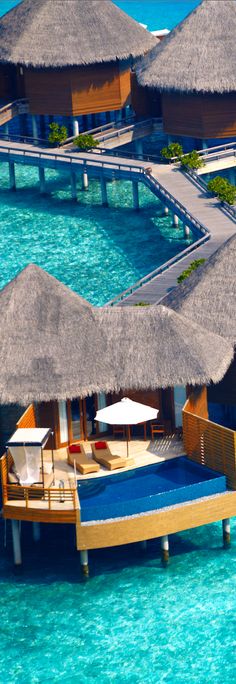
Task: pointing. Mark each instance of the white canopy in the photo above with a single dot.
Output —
(26, 450)
(126, 412)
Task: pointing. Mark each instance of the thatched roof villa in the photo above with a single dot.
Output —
(71, 57)
(55, 347)
(208, 297)
(193, 72)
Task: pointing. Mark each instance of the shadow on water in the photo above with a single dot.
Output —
(55, 558)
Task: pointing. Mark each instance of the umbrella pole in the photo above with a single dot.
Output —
(127, 440)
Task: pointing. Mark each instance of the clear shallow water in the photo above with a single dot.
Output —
(96, 251)
(132, 622)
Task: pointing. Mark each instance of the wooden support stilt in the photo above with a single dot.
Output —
(165, 549)
(226, 532)
(135, 195)
(12, 176)
(104, 192)
(175, 220)
(84, 562)
(16, 542)
(42, 180)
(85, 182)
(139, 148)
(143, 545)
(186, 231)
(36, 531)
(73, 185)
(166, 211)
(34, 127)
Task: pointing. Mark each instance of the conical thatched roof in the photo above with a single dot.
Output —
(208, 296)
(199, 55)
(155, 347)
(54, 345)
(60, 33)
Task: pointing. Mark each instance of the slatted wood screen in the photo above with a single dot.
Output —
(28, 419)
(208, 443)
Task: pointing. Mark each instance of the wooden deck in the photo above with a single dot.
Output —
(206, 210)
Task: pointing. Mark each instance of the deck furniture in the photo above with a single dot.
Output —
(157, 429)
(25, 448)
(121, 430)
(102, 454)
(76, 453)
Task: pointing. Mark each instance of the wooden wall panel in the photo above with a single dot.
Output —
(8, 82)
(197, 402)
(49, 91)
(83, 90)
(145, 102)
(199, 116)
(152, 525)
(99, 88)
(28, 419)
(47, 416)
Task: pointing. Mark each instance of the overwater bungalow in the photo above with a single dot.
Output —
(57, 353)
(69, 58)
(190, 75)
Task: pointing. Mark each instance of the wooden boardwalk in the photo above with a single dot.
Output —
(196, 204)
(202, 207)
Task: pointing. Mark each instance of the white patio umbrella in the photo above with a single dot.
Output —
(126, 412)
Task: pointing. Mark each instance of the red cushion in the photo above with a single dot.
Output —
(100, 445)
(75, 449)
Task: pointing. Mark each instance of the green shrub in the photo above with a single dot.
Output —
(58, 134)
(223, 189)
(173, 150)
(142, 304)
(192, 160)
(85, 141)
(192, 267)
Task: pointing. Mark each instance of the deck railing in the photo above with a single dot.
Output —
(210, 444)
(11, 109)
(47, 498)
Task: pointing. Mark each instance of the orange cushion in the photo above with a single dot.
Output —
(100, 445)
(74, 449)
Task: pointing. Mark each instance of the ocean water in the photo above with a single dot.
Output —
(157, 14)
(96, 251)
(132, 622)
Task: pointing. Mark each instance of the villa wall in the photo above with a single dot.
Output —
(225, 391)
(199, 116)
(84, 90)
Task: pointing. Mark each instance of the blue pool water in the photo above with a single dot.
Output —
(96, 251)
(147, 489)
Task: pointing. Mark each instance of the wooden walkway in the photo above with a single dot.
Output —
(202, 207)
(176, 190)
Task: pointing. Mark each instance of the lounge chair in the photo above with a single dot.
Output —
(103, 455)
(85, 465)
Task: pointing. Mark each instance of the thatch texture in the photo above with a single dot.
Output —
(56, 33)
(155, 347)
(54, 345)
(199, 55)
(208, 296)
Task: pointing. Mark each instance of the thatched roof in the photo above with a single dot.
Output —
(199, 55)
(54, 345)
(155, 347)
(208, 296)
(56, 33)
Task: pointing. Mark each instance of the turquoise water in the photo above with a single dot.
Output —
(157, 14)
(96, 251)
(133, 622)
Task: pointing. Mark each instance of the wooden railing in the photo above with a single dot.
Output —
(13, 109)
(209, 444)
(49, 498)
